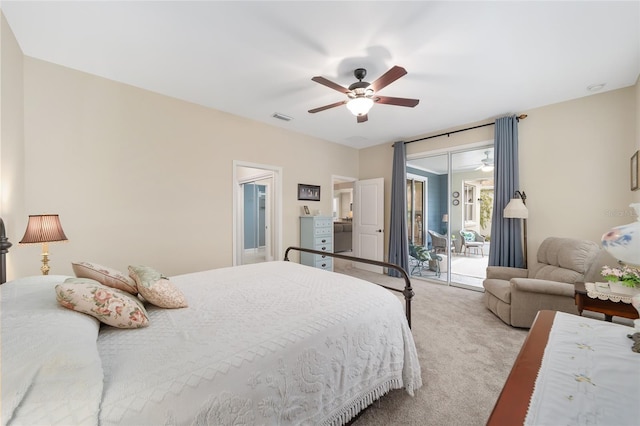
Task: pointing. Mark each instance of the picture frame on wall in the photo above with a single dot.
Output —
(635, 171)
(308, 192)
(305, 210)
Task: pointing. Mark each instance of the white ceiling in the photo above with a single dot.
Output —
(466, 61)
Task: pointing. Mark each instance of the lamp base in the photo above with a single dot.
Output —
(45, 260)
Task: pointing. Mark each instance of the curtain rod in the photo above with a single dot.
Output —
(520, 117)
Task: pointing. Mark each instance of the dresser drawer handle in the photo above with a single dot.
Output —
(324, 241)
(324, 265)
(323, 248)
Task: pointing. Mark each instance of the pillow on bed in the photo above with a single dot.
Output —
(104, 275)
(156, 289)
(109, 305)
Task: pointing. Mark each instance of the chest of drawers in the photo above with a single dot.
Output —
(316, 232)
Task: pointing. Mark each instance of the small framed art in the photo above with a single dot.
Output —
(305, 210)
(635, 171)
(308, 192)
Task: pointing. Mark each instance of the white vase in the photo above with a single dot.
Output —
(616, 287)
(623, 242)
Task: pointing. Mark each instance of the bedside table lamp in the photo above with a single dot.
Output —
(43, 228)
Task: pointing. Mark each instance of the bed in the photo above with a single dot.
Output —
(572, 370)
(270, 343)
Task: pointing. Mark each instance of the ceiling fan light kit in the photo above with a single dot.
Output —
(487, 163)
(360, 106)
(361, 95)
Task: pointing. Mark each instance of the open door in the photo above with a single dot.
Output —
(257, 235)
(368, 222)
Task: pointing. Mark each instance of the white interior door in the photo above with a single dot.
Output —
(270, 177)
(368, 222)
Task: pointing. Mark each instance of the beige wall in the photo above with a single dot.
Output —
(11, 135)
(636, 195)
(574, 163)
(141, 178)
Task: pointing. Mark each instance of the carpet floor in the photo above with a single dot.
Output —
(465, 352)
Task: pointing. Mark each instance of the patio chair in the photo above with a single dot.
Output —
(419, 258)
(438, 242)
(471, 240)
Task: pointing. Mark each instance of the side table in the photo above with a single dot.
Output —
(607, 307)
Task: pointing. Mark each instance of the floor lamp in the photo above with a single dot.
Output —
(517, 209)
(43, 228)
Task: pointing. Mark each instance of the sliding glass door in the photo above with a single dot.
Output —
(457, 212)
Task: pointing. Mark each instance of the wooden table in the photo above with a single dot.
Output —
(513, 402)
(606, 307)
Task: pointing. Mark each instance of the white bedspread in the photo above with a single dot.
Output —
(51, 370)
(272, 343)
(588, 376)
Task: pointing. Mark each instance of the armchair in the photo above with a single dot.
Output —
(438, 242)
(516, 295)
(472, 240)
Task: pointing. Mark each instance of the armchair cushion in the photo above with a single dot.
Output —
(506, 273)
(533, 285)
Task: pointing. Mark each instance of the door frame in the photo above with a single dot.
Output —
(275, 201)
(450, 152)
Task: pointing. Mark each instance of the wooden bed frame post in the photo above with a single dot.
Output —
(407, 291)
(4, 249)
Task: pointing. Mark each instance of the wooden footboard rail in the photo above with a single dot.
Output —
(407, 291)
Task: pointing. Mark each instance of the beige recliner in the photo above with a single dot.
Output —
(516, 295)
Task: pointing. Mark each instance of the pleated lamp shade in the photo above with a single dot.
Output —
(43, 228)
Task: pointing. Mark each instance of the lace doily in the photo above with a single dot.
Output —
(604, 293)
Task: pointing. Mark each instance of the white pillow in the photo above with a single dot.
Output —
(156, 289)
(109, 305)
(104, 275)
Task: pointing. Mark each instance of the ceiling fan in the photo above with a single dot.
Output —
(487, 163)
(362, 95)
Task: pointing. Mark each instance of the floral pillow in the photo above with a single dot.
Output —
(156, 289)
(109, 305)
(468, 236)
(104, 275)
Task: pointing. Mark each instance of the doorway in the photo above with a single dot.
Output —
(458, 207)
(360, 206)
(257, 213)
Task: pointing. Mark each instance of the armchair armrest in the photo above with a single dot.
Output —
(506, 273)
(533, 285)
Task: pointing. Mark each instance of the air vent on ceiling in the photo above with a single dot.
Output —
(282, 116)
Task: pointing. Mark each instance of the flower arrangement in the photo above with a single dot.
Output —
(628, 277)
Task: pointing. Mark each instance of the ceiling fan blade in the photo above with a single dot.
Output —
(362, 118)
(322, 108)
(330, 84)
(388, 77)
(405, 102)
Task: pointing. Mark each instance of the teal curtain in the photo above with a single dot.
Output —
(506, 234)
(398, 239)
